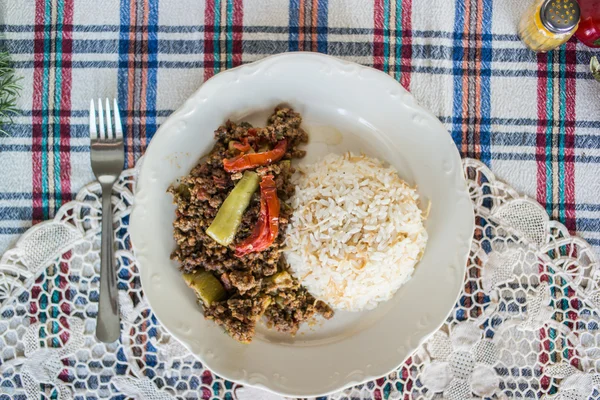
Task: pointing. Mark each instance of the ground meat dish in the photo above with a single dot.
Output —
(256, 284)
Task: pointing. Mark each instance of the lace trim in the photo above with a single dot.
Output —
(525, 326)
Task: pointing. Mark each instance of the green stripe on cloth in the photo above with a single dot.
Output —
(216, 34)
(549, 120)
(398, 50)
(229, 34)
(386, 35)
(45, 105)
(56, 106)
(562, 93)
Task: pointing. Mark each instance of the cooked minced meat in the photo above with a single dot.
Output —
(238, 316)
(292, 307)
(253, 289)
(243, 281)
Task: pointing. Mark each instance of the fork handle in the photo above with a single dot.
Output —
(108, 327)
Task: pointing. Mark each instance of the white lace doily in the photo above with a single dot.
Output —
(526, 325)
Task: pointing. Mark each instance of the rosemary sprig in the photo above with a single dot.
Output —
(10, 89)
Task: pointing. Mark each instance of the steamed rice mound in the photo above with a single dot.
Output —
(356, 232)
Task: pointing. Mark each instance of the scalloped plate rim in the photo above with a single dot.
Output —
(144, 272)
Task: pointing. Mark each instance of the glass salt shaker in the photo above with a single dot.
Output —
(549, 23)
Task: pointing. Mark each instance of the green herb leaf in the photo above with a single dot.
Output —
(595, 68)
(10, 88)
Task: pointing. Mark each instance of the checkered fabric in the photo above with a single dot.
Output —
(533, 118)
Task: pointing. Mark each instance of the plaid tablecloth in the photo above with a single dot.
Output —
(533, 118)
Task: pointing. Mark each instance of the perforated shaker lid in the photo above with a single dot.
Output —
(560, 16)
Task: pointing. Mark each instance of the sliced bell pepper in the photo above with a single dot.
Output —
(229, 216)
(267, 227)
(208, 288)
(253, 160)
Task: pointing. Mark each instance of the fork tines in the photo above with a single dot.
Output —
(105, 133)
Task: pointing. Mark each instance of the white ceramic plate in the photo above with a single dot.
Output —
(345, 107)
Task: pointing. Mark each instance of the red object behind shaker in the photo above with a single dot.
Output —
(589, 25)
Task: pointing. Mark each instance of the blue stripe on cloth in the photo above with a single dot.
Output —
(153, 44)
(498, 155)
(322, 22)
(593, 242)
(79, 113)
(57, 104)
(486, 67)
(457, 72)
(45, 103)
(583, 159)
(517, 138)
(511, 138)
(433, 34)
(515, 121)
(585, 207)
(123, 72)
(294, 29)
(16, 213)
(27, 148)
(332, 48)
(581, 141)
(588, 224)
(16, 196)
(580, 123)
(13, 231)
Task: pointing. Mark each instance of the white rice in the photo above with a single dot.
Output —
(356, 232)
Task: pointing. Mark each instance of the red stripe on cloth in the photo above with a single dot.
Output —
(64, 374)
(65, 102)
(406, 56)
(543, 357)
(378, 34)
(569, 165)
(465, 81)
(63, 283)
(377, 394)
(36, 291)
(238, 21)
(569, 150)
(313, 25)
(209, 45)
(144, 82)
(544, 348)
(476, 149)
(65, 306)
(131, 103)
(301, 26)
(540, 141)
(36, 120)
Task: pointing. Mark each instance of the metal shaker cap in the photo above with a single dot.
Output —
(560, 16)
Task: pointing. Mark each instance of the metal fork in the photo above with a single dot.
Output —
(108, 157)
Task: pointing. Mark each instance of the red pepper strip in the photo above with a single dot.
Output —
(258, 235)
(244, 146)
(273, 208)
(253, 160)
(267, 227)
